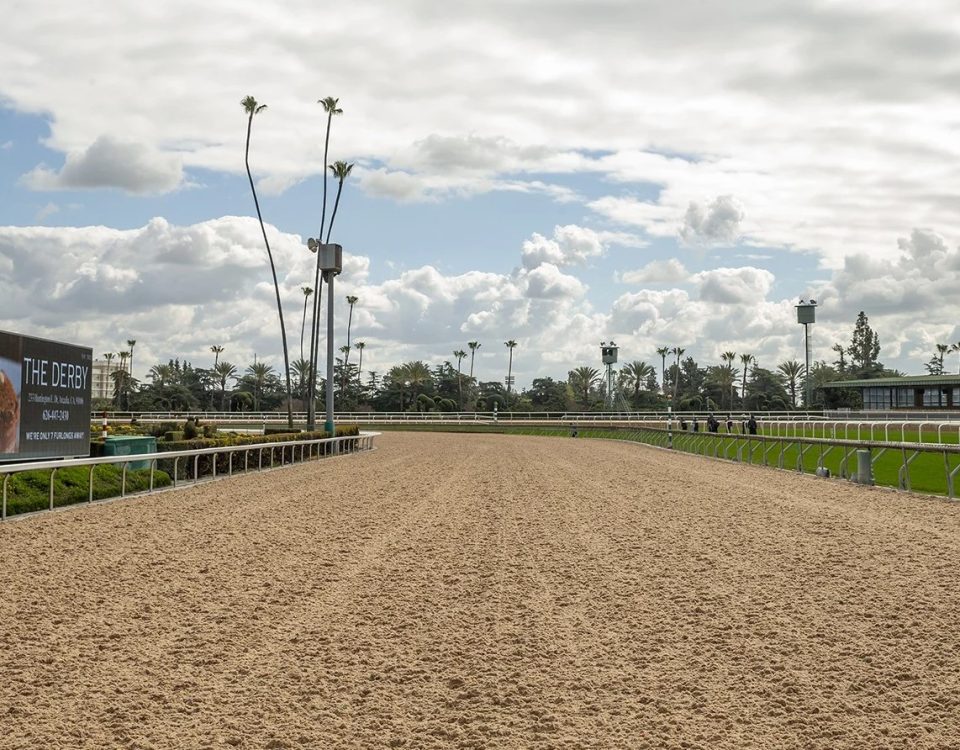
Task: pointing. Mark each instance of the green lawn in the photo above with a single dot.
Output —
(30, 490)
(949, 435)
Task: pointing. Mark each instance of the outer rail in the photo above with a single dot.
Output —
(746, 448)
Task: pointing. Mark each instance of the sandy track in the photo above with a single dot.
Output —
(486, 591)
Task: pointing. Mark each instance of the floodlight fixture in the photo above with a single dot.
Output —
(807, 315)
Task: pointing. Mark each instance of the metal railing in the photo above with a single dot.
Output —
(274, 417)
(763, 448)
(872, 429)
(290, 452)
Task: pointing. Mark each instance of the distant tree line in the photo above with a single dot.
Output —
(737, 383)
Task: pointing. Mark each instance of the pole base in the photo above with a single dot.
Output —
(329, 428)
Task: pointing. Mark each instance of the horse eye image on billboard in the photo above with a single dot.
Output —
(9, 394)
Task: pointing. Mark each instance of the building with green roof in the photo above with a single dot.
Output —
(909, 392)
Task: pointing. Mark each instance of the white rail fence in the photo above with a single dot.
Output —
(267, 456)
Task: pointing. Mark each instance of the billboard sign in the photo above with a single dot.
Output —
(44, 398)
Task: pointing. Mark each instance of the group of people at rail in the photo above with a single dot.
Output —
(746, 426)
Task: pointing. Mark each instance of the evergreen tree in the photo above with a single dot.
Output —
(864, 349)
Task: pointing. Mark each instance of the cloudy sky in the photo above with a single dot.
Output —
(552, 171)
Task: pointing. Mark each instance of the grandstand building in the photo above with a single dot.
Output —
(910, 392)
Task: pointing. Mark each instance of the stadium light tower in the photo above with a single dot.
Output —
(806, 315)
(331, 263)
(608, 353)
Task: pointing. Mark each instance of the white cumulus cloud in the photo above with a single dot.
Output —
(110, 163)
(715, 224)
(570, 245)
(669, 271)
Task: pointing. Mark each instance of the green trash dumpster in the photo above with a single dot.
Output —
(129, 445)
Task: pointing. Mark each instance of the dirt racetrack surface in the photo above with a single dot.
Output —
(487, 591)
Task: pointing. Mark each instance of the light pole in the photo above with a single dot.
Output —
(608, 353)
(331, 263)
(806, 315)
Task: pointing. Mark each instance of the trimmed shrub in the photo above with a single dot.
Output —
(204, 464)
(190, 430)
(284, 430)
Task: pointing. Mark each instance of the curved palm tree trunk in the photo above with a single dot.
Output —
(346, 354)
(333, 215)
(273, 271)
(314, 354)
(509, 371)
(459, 388)
(303, 325)
(472, 353)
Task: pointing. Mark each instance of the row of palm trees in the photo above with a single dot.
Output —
(936, 365)
(460, 355)
(727, 374)
(122, 376)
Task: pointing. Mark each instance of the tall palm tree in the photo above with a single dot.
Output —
(582, 380)
(260, 372)
(636, 374)
(345, 351)
(329, 104)
(942, 349)
(417, 374)
(341, 170)
(511, 345)
(131, 343)
(397, 376)
(301, 377)
(746, 359)
(663, 351)
(677, 352)
(459, 354)
(121, 385)
(224, 370)
(160, 374)
(729, 358)
(251, 107)
(955, 348)
(307, 291)
(792, 370)
(217, 350)
(474, 345)
(121, 382)
(360, 347)
(724, 377)
(109, 357)
(351, 300)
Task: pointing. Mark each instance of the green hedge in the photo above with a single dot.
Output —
(204, 464)
(30, 490)
(234, 439)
